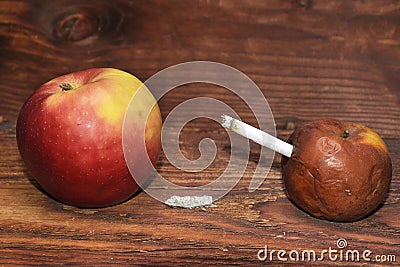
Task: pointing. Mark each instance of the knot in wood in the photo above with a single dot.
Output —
(84, 23)
(76, 26)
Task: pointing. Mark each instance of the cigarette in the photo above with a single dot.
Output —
(258, 136)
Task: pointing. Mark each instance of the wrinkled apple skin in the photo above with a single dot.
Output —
(71, 140)
(338, 171)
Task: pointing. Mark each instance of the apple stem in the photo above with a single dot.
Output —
(66, 86)
(346, 133)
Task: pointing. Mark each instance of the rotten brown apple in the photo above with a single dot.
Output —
(338, 171)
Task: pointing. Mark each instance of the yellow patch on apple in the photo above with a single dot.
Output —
(373, 139)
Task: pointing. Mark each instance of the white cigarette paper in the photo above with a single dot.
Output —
(257, 135)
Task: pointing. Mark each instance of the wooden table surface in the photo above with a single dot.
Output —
(311, 59)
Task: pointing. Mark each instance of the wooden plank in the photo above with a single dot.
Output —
(311, 59)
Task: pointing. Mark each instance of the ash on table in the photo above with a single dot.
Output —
(189, 202)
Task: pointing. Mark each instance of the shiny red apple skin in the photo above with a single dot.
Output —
(71, 140)
(338, 171)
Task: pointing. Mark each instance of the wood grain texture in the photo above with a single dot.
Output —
(311, 59)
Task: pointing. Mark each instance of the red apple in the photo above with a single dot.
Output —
(338, 171)
(69, 134)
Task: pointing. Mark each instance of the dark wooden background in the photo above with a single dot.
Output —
(311, 59)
